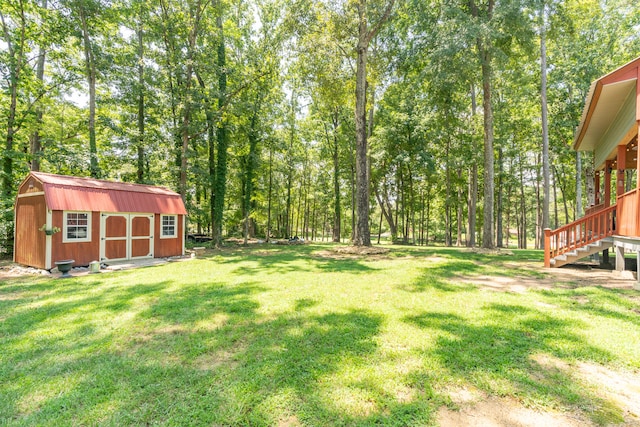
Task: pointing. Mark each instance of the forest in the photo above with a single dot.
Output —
(413, 121)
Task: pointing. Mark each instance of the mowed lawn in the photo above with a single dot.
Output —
(302, 335)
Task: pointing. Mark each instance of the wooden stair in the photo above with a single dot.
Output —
(581, 252)
(583, 237)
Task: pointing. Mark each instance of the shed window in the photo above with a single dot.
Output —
(169, 225)
(77, 227)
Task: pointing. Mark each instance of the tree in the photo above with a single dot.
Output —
(366, 33)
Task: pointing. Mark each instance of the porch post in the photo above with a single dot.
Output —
(619, 258)
(622, 162)
(607, 184)
(596, 184)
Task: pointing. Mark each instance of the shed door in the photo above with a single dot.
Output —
(126, 236)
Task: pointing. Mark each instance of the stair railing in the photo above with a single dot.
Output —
(588, 229)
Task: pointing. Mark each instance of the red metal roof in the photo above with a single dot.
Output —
(69, 193)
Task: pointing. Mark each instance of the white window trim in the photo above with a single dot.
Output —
(175, 227)
(64, 228)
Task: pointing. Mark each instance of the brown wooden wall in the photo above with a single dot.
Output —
(82, 252)
(30, 242)
(167, 247)
(29, 186)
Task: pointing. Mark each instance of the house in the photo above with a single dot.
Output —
(63, 217)
(609, 129)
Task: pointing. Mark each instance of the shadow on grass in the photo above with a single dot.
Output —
(616, 304)
(441, 277)
(196, 354)
(289, 259)
(499, 354)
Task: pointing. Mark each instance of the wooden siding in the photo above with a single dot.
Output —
(116, 226)
(30, 185)
(30, 242)
(115, 249)
(82, 252)
(140, 226)
(140, 247)
(167, 247)
(627, 216)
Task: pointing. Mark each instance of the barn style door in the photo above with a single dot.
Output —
(126, 236)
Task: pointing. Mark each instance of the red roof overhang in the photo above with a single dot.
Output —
(67, 193)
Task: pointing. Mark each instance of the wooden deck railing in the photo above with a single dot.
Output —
(593, 209)
(588, 229)
(628, 219)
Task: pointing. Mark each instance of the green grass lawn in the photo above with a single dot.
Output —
(299, 335)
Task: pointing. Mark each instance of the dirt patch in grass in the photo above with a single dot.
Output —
(476, 410)
(569, 277)
(361, 250)
(619, 390)
(353, 252)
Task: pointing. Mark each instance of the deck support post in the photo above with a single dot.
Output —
(619, 258)
(547, 248)
(636, 285)
(604, 261)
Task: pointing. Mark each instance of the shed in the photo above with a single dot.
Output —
(63, 217)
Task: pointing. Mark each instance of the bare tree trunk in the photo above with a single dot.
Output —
(484, 51)
(499, 204)
(141, 136)
(362, 235)
(222, 140)
(336, 180)
(269, 193)
(447, 196)
(90, 68)
(545, 130)
(35, 144)
(523, 211)
(473, 181)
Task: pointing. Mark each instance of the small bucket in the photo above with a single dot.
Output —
(94, 267)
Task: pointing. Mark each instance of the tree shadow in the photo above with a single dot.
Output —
(290, 260)
(615, 304)
(498, 355)
(439, 277)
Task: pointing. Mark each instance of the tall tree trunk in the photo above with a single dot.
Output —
(362, 235)
(269, 194)
(90, 68)
(555, 197)
(538, 231)
(523, 211)
(211, 148)
(589, 184)
(459, 211)
(447, 196)
(35, 149)
(222, 142)
(251, 164)
(499, 235)
(141, 136)
(484, 51)
(473, 181)
(16, 62)
(387, 211)
(141, 89)
(336, 179)
(545, 131)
